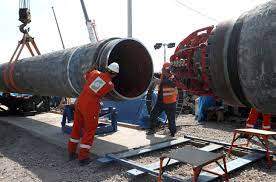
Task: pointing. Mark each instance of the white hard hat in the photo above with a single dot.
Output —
(113, 67)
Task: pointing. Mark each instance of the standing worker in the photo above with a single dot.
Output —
(253, 116)
(166, 101)
(87, 109)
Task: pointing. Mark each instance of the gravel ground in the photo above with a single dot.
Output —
(24, 157)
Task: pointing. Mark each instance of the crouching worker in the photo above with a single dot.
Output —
(166, 101)
(87, 109)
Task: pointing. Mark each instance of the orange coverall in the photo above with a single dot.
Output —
(87, 110)
(253, 116)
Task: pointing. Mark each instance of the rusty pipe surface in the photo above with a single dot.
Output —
(61, 73)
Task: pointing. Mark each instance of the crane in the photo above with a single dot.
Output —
(25, 103)
(60, 36)
(27, 40)
(24, 15)
(90, 25)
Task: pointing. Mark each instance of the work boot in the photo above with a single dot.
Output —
(63, 129)
(84, 162)
(173, 133)
(150, 132)
(73, 156)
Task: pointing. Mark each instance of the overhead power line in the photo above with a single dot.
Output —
(196, 11)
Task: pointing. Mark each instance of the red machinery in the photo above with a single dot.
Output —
(189, 64)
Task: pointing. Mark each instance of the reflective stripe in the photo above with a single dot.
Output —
(266, 127)
(85, 146)
(169, 89)
(74, 140)
(170, 95)
(165, 94)
(249, 125)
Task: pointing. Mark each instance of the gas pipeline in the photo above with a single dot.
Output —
(234, 60)
(61, 73)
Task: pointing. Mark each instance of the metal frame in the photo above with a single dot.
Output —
(142, 150)
(261, 137)
(155, 165)
(102, 128)
(27, 41)
(152, 168)
(197, 169)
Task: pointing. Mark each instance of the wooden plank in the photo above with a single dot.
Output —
(231, 166)
(146, 149)
(156, 165)
(256, 131)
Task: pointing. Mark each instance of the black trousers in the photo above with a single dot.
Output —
(170, 112)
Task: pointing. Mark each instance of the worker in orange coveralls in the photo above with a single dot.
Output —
(87, 109)
(253, 116)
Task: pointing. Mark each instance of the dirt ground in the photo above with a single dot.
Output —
(24, 157)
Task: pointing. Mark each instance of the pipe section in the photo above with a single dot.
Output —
(61, 73)
(242, 59)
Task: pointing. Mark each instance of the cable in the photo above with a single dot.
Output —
(196, 11)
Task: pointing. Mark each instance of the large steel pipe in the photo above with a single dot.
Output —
(61, 73)
(242, 59)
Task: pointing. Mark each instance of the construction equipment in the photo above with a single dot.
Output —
(24, 15)
(262, 135)
(107, 122)
(61, 73)
(25, 18)
(234, 61)
(21, 104)
(198, 159)
(27, 40)
(124, 158)
(60, 36)
(91, 26)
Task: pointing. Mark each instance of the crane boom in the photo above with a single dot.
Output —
(89, 24)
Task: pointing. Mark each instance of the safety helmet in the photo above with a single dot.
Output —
(166, 65)
(113, 67)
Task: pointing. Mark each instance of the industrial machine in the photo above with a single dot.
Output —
(23, 104)
(234, 61)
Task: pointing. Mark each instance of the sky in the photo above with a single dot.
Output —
(154, 21)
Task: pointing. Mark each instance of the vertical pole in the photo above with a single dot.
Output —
(58, 28)
(129, 18)
(164, 45)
